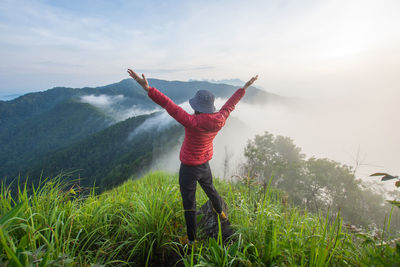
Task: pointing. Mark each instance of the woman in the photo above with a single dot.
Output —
(197, 148)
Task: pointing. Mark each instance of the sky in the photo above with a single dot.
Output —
(343, 57)
(299, 48)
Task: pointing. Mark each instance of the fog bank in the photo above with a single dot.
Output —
(361, 132)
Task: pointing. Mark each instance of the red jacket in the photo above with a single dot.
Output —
(200, 130)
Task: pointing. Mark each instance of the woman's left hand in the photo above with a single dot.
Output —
(250, 82)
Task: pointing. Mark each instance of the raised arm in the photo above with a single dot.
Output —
(178, 113)
(229, 106)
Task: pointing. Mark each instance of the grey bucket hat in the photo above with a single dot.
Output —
(203, 102)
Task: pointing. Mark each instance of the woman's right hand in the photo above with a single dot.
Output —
(142, 81)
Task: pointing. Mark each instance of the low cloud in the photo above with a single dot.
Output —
(158, 122)
(111, 105)
(102, 101)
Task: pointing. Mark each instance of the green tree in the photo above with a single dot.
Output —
(276, 158)
(318, 184)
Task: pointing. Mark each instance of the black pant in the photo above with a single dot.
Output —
(188, 178)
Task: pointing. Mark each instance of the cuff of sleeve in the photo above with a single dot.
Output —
(151, 91)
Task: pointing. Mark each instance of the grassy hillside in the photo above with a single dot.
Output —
(139, 222)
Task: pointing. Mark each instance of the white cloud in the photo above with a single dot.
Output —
(158, 122)
(110, 105)
(102, 101)
(294, 46)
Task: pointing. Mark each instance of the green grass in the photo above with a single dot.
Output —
(139, 222)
